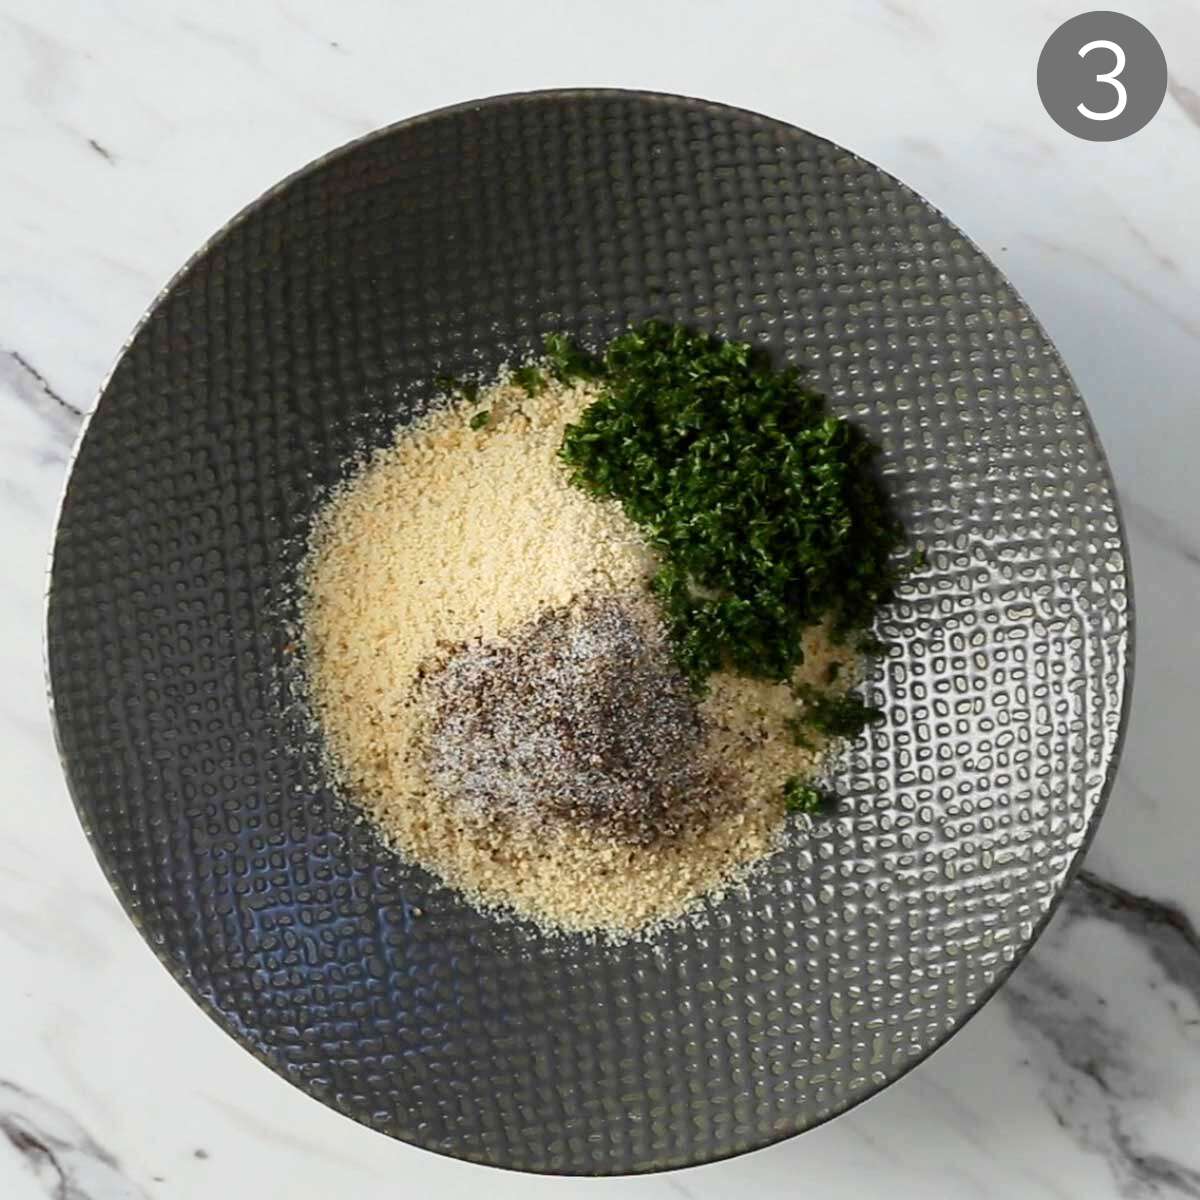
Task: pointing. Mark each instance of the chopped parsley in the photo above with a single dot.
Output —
(802, 797)
(567, 362)
(481, 418)
(870, 645)
(836, 714)
(459, 389)
(762, 504)
(530, 378)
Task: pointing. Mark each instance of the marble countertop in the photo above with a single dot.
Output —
(134, 128)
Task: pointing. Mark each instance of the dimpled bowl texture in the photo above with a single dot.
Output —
(317, 320)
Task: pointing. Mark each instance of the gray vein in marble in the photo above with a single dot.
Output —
(1090, 1085)
(21, 379)
(1186, 324)
(908, 18)
(870, 1136)
(104, 153)
(922, 146)
(59, 1153)
(1127, 783)
(1154, 1171)
(1166, 931)
(21, 499)
(250, 56)
(45, 57)
(1020, 144)
(232, 43)
(1094, 1081)
(302, 24)
(270, 1131)
(1187, 99)
(25, 376)
(673, 1185)
(1160, 257)
(1160, 531)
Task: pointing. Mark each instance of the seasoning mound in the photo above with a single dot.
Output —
(488, 667)
(582, 718)
(762, 503)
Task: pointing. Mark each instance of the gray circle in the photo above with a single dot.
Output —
(1129, 54)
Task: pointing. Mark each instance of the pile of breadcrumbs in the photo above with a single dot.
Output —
(485, 666)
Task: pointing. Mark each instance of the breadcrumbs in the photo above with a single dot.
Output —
(458, 538)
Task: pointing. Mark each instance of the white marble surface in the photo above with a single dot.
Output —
(133, 128)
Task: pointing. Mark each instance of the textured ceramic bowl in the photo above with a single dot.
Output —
(452, 242)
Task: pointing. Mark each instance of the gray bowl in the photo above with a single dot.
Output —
(316, 320)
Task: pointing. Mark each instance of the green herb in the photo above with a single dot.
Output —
(803, 797)
(839, 715)
(567, 362)
(870, 645)
(459, 389)
(799, 731)
(763, 505)
(529, 378)
(481, 418)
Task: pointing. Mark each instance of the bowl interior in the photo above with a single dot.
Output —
(451, 244)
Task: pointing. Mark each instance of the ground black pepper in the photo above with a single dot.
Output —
(582, 717)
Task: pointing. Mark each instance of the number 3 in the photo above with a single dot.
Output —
(1110, 77)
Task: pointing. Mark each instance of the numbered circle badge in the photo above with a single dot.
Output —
(1102, 76)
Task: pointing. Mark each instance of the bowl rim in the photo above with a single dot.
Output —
(123, 894)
